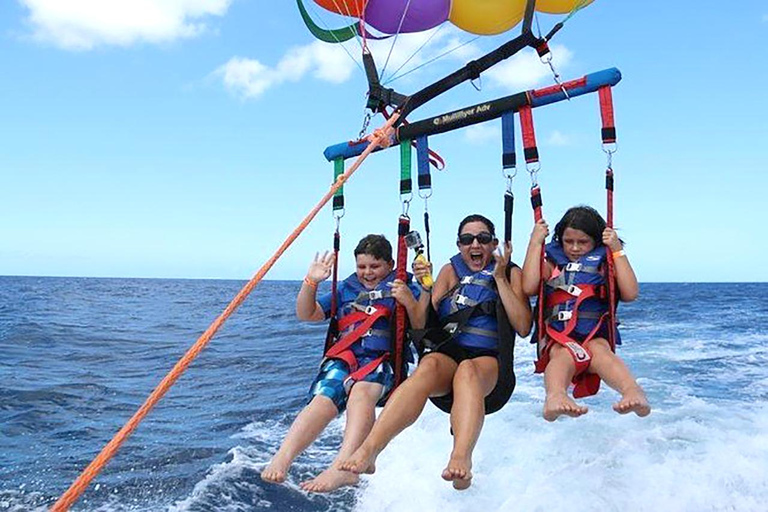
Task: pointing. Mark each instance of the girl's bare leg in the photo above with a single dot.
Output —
(361, 413)
(557, 378)
(474, 379)
(305, 428)
(615, 373)
(432, 377)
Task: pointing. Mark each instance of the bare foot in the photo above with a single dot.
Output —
(635, 401)
(459, 472)
(330, 480)
(362, 461)
(275, 472)
(559, 404)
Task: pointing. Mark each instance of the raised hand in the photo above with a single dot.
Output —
(502, 257)
(321, 267)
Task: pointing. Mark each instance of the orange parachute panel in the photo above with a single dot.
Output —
(353, 8)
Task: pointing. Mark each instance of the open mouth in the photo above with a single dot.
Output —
(476, 257)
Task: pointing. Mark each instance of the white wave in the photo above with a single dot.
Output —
(695, 457)
(219, 476)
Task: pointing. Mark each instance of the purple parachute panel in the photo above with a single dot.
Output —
(386, 15)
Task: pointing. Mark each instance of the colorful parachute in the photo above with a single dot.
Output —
(483, 17)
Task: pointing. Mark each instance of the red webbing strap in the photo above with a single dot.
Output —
(530, 151)
(611, 264)
(364, 370)
(352, 318)
(565, 335)
(536, 204)
(608, 132)
(346, 341)
(557, 297)
(553, 89)
(404, 226)
(333, 326)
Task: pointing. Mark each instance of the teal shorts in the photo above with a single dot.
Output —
(330, 380)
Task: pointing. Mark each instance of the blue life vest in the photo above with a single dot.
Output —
(587, 270)
(354, 296)
(473, 288)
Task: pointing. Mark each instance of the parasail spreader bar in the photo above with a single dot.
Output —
(486, 111)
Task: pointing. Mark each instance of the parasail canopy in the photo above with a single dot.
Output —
(483, 17)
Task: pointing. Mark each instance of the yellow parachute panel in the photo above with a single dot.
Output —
(486, 17)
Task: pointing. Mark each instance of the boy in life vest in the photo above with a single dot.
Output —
(573, 340)
(358, 377)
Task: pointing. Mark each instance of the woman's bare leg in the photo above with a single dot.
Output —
(473, 380)
(432, 377)
(310, 422)
(615, 373)
(557, 378)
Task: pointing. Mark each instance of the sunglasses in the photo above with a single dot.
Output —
(483, 238)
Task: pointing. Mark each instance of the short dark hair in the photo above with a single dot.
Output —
(476, 217)
(375, 245)
(584, 218)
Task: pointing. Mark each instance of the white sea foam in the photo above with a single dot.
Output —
(695, 457)
(220, 476)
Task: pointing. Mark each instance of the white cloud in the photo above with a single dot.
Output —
(85, 24)
(480, 133)
(525, 69)
(557, 138)
(249, 78)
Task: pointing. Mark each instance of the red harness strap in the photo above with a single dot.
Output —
(364, 370)
(340, 349)
(585, 384)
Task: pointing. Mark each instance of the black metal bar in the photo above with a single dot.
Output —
(464, 117)
(529, 12)
(472, 69)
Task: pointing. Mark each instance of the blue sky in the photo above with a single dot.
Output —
(185, 138)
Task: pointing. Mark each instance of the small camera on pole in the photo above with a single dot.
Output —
(413, 241)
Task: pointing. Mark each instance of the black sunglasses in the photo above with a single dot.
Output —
(483, 238)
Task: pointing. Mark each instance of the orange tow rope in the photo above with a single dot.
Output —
(380, 137)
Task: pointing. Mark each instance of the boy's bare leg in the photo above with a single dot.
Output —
(432, 377)
(361, 413)
(474, 379)
(305, 428)
(615, 373)
(557, 378)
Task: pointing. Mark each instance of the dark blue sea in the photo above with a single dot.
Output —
(78, 356)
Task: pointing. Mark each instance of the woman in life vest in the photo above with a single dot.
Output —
(465, 366)
(357, 377)
(575, 346)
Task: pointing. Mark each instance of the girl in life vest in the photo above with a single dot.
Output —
(356, 372)
(575, 347)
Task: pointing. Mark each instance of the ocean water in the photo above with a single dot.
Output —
(78, 357)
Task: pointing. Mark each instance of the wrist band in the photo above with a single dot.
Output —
(618, 254)
(309, 282)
